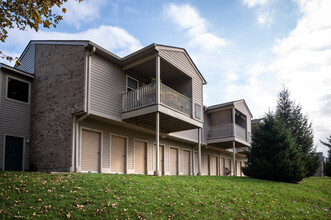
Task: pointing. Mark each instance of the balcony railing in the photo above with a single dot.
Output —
(240, 132)
(220, 131)
(146, 95)
(175, 100)
(226, 130)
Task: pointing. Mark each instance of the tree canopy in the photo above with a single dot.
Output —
(274, 154)
(22, 14)
(301, 129)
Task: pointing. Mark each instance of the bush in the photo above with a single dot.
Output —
(274, 154)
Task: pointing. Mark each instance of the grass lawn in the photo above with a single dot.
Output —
(40, 195)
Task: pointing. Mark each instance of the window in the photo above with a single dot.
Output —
(197, 111)
(18, 90)
(131, 84)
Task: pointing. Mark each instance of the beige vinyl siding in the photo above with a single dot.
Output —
(205, 129)
(182, 86)
(181, 61)
(107, 83)
(14, 117)
(191, 135)
(242, 108)
(221, 117)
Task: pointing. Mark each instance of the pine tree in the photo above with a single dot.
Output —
(274, 154)
(327, 166)
(301, 130)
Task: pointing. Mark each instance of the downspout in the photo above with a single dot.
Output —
(87, 104)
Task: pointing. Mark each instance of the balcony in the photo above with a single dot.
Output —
(146, 96)
(225, 131)
(227, 125)
(140, 106)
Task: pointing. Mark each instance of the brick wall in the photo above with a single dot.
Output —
(57, 93)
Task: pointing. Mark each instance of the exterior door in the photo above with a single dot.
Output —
(14, 153)
(186, 162)
(222, 173)
(161, 158)
(206, 165)
(140, 157)
(173, 161)
(230, 167)
(90, 151)
(118, 154)
(196, 163)
(214, 166)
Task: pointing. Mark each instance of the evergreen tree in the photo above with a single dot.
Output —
(274, 154)
(327, 165)
(301, 130)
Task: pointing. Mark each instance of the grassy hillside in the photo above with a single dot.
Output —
(30, 195)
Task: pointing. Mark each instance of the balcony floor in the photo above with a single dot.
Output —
(168, 123)
(226, 143)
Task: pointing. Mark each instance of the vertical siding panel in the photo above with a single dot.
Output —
(14, 117)
(106, 151)
(108, 82)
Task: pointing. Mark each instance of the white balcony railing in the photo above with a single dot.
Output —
(146, 95)
(175, 100)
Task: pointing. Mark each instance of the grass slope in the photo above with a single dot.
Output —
(30, 195)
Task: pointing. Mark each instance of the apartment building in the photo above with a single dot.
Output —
(89, 110)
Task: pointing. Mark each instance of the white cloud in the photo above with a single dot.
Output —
(302, 64)
(85, 11)
(232, 77)
(254, 3)
(112, 38)
(264, 18)
(188, 18)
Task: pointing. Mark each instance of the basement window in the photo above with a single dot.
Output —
(131, 84)
(18, 90)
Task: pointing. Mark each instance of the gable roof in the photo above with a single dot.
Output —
(148, 50)
(229, 104)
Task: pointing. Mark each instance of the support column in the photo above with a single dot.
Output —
(157, 80)
(157, 159)
(157, 88)
(233, 171)
(199, 151)
(234, 158)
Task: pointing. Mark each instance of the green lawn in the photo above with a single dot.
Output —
(40, 195)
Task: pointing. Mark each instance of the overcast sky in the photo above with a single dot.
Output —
(246, 49)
